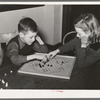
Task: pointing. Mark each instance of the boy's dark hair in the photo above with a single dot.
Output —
(27, 24)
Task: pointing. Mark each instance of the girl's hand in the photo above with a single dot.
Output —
(52, 54)
(48, 57)
(84, 42)
(39, 40)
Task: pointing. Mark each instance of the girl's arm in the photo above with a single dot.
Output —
(68, 46)
(62, 49)
(87, 57)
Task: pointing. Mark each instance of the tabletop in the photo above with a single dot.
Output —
(81, 78)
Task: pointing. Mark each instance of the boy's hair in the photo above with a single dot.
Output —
(27, 24)
(88, 22)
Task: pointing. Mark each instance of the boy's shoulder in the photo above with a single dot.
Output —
(14, 39)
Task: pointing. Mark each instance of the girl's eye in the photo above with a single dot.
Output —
(31, 37)
(78, 34)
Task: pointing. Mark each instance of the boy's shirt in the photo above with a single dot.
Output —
(17, 50)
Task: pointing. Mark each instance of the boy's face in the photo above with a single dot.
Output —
(29, 37)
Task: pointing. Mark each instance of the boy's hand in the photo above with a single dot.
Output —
(45, 59)
(39, 56)
(35, 56)
(39, 40)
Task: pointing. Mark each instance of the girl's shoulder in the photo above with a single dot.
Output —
(95, 46)
(77, 40)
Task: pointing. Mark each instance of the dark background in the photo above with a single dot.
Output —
(15, 7)
(71, 12)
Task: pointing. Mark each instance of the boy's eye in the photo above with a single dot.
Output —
(31, 37)
(79, 34)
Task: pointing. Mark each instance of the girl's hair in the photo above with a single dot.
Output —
(88, 22)
(27, 24)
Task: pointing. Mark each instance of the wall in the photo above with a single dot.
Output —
(48, 18)
(10, 19)
(53, 23)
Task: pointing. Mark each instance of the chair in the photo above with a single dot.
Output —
(69, 36)
(4, 39)
(1, 55)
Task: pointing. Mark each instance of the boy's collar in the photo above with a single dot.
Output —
(21, 43)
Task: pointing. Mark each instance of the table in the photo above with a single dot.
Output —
(86, 78)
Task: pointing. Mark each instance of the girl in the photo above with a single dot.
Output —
(88, 35)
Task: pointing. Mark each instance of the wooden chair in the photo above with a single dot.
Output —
(4, 39)
(67, 38)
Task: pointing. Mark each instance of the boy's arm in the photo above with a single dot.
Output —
(39, 46)
(13, 54)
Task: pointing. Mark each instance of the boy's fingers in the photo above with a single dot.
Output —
(44, 59)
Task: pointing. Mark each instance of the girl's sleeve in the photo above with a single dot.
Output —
(87, 58)
(68, 46)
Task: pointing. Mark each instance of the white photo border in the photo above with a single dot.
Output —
(29, 94)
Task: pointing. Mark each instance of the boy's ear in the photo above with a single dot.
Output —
(21, 34)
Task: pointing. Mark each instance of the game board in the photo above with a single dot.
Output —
(59, 67)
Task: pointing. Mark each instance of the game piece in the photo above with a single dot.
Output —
(3, 81)
(40, 65)
(6, 85)
(11, 71)
(59, 67)
(5, 74)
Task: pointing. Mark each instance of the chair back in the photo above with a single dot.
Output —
(69, 36)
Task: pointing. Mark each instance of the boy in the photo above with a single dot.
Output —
(21, 48)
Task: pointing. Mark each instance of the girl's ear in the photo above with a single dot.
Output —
(21, 34)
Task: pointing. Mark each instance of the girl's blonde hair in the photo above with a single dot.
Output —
(88, 22)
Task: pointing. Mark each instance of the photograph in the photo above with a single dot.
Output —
(50, 47)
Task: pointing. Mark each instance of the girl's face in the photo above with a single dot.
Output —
(81, 34)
